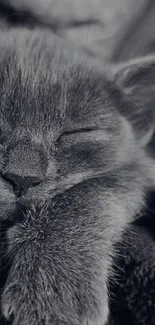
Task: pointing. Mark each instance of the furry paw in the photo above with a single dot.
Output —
(49, 285)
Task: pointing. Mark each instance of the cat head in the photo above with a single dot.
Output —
(63, 122)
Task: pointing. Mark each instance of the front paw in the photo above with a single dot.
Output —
(54, 284)
(41, 304)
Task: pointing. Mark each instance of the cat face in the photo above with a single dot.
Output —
(59, 124)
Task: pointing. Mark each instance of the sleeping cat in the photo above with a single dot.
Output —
(74, 172)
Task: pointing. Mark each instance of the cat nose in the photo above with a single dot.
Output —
(21, 183)
(25, 165)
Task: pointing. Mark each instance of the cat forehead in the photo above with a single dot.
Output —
(50, 87)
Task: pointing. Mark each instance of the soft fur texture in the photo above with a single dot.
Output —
(133, 292)
(82, 172)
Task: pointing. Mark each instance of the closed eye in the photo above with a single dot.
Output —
(74, 132)
(82, 130)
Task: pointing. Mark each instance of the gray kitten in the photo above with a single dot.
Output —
(74, 172)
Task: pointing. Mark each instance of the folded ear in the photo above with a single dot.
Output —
(136, 79)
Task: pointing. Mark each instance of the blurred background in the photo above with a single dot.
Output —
(116, 30)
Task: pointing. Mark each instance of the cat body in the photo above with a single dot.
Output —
(133, 293)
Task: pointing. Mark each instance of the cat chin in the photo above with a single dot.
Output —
(7, 210)
(15, 210)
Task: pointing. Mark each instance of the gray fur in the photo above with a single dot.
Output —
(133, 294)
(64, 120)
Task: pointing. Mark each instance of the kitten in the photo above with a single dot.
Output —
(74, 172)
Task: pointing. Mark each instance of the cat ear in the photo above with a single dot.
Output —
(136, 79)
